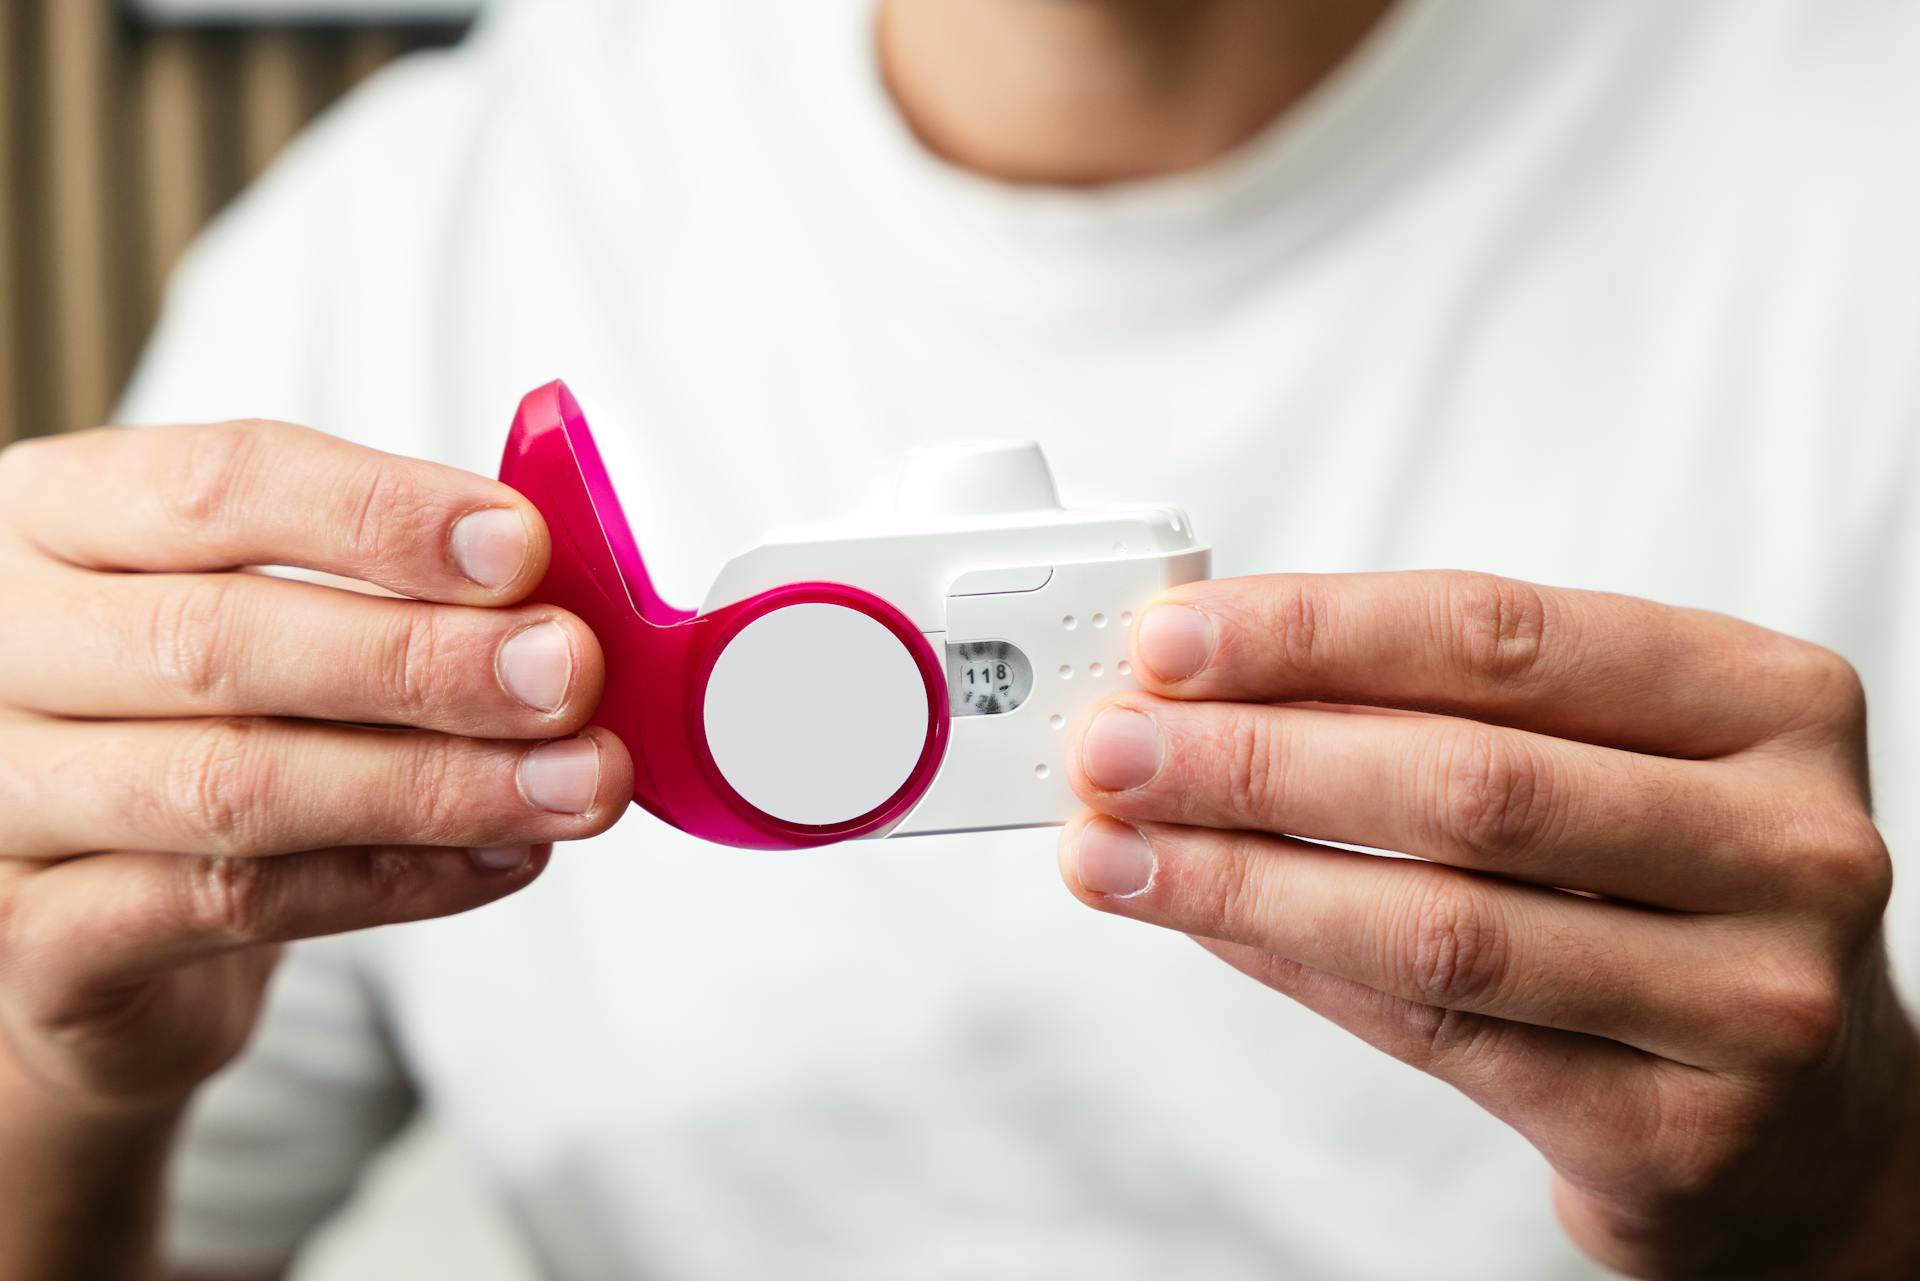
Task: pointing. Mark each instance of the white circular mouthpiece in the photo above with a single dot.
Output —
(816, 713)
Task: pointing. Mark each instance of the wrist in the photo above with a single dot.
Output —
(34, 1101)
(82, 1181)
(1881, 1238)
(1876, 1235)
(68, 1134)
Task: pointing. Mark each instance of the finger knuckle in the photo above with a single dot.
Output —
(1692, 1132)
(1453, 954)
(185, 637)
(1256, 763)
(1836, 695)
(217, 465)
(443, 812)
(1239, 894)
(233, 898)
(1296, 623)
(1813, 688)
(222, 784)
(381, 522)
(409, 656)
(397, 876)
(1448, 1039)
(1490, 791)
(1845, 866)
(1796, 1017)
(1498, 625)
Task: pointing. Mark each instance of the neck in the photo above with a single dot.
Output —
(1081, 92)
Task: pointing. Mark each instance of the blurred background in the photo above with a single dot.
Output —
(124, 126)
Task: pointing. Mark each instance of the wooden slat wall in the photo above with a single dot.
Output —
(117, 142)
(11, 293)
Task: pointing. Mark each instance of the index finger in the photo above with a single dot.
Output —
(1589, 666)
(225, 495)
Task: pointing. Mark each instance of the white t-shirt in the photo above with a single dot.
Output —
(1605, 295)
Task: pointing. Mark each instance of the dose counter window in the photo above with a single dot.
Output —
(986, 678)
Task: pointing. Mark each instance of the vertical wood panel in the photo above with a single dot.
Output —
(78, 36)
(117, 142)
(272, 96)
(176, 176)
(12, 398)
(368, 51)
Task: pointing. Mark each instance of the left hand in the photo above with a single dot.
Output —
(1643, 926)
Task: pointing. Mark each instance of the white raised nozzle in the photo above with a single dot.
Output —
(981, 478)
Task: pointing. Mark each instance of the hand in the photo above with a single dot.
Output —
(1643, 926)
(189, 769)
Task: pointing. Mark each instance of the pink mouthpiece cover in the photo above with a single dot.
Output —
(658, 657)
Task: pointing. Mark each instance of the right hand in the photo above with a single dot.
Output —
(188, 773)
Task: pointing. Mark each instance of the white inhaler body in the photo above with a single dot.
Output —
(1027, 606)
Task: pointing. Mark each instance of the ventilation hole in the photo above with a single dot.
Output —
(1066, 671)
(1057, 721)
(1099, 620)
(1094, 669)
(1125, 668)
(1069, 622)
(1041, 771)
(1126, 618)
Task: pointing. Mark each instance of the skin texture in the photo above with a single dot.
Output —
(1643, 927)
(199, 765)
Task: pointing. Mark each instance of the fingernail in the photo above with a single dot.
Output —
(1174, 641)
(490, 546)
(536, 666)
(561, 777)
(501, 858)
(1113, 859)
(1121, 750)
